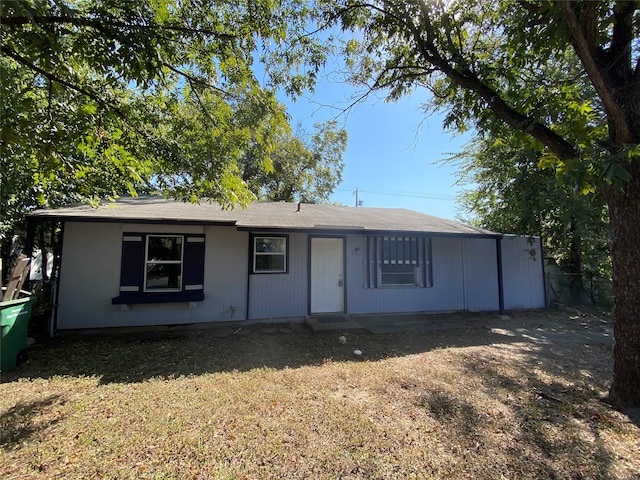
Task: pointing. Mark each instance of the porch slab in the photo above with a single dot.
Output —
(423, 322)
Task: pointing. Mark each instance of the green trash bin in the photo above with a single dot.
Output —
(15, 316)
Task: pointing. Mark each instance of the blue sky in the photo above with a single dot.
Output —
(392, 150)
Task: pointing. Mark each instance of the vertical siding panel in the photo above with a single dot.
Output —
(446, 293)
(523, 272)
(481, 270)
(358, 274)
(282, 295)
(448, 285)
(225, 274)
(90, 275)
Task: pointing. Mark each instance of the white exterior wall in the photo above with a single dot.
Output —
(90, 278)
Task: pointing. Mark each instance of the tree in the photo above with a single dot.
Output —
(101, 98)
(509, 193)
(478, 59)
(301, 169)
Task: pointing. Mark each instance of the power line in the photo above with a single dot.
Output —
(426, 196)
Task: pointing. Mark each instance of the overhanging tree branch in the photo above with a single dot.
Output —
(558, 145)
(196, 81)
(585, 52)
(103, 23)
(50, 76)
(108, 105)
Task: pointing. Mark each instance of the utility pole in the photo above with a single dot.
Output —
(358, 201)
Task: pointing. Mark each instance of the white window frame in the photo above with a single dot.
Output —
(256, 253)
(148, 262)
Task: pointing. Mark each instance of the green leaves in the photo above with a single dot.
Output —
(509, 192)
(104, 98)
(490, 64)
(299, 168)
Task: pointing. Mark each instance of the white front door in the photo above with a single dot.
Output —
(327, 275)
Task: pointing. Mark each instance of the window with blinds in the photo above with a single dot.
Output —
(398, 261)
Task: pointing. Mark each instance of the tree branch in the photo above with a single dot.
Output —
(196, 81)
(585, 52)
(87, 93)
(191, 81)
(558, 145)
(100, 25)
(591, 22)
(50, 76)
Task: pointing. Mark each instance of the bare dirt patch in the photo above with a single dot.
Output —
(516, 398)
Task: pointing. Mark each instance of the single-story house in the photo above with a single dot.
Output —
(151, 261)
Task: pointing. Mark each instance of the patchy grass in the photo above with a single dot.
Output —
(477, 403)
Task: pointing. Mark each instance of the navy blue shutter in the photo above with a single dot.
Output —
(193, 262)
(132, 264)
(428, 260)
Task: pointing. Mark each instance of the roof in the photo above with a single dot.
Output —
(262, 216)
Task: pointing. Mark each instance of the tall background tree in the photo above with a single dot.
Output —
(303, 167)
(480, 60)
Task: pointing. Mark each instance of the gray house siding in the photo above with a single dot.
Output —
(225, 275)
(464, 278)
(523, 272)
(480, 274)
(90, 277)
(281, 295)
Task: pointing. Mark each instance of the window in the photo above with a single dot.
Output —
(163, 270)
(398, 275)
(157, 268)
(398, 262)
(269, 254)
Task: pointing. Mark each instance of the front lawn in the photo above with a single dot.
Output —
(478, 403)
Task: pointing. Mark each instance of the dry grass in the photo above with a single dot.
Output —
(478, 403)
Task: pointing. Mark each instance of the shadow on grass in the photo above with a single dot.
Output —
(17, 423)
(559, 417)
(547, 423)
(141, 356)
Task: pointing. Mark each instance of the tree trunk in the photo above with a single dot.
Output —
(624, 214)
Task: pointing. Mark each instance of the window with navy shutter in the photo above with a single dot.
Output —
(193, 263)
(398, 261)
(132, 265)
(161, 268)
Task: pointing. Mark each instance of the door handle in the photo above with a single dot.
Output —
(340, 282)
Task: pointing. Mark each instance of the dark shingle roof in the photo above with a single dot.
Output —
(272, 215)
